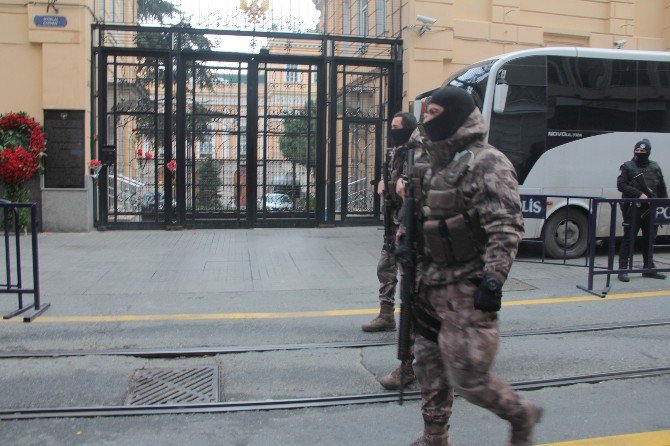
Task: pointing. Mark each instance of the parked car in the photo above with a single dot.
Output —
(276, 202)
(149, 202)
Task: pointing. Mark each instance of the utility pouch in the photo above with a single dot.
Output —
(461, 238)
(418, 172)
(454, 240)
(444, 203)
(437, 242)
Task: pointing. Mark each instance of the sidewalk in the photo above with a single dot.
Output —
(108, 276)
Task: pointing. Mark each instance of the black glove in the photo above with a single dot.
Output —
(489, 294)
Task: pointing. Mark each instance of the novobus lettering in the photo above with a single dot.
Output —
(564, 134)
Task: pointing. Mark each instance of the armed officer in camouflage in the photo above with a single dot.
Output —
(471, 225)
(403, 134)
(639, 178)
(402, 127)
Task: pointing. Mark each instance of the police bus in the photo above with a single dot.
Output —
(567, 118)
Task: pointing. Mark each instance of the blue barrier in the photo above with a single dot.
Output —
(14, 283)
(660, 212)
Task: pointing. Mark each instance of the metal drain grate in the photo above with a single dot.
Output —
(169, 386)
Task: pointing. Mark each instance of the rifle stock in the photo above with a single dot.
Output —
(407, 257)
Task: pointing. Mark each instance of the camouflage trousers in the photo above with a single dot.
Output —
(461, 360)
(387, 273)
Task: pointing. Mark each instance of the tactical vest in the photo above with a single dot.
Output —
(451, 230)
(651, 173)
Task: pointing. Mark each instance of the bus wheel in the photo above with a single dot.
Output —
(566, 237)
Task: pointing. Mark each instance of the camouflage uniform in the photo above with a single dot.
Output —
(467, 338)
(387, 270)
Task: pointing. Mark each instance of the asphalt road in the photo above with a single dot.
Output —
(155, 289)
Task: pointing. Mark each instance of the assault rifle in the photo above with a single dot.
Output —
(388, 205)
(406, 255)
(642, 183)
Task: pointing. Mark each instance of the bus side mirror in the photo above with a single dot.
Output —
(500, 98)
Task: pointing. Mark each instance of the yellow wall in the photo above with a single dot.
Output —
(45, 68)
(471, 30)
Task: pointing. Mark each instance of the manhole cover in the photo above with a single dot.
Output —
(517, 285)
(169, 386)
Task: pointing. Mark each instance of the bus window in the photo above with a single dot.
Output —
(519, 131)
(562, 102)
(608, 92)
(653, 97)
(473, 80)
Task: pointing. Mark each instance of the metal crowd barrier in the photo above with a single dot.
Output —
(14, 283)
(660, 214)
(534, 207)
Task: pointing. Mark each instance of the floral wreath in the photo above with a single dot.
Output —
(22, 148)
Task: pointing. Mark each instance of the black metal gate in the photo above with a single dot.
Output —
(249, 165)
(360, 117)
(258, 139)
(134, 136)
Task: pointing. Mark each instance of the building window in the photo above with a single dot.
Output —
(206, 146)
(381, 17)
(363, 17)
(292, 74)
(346, 17)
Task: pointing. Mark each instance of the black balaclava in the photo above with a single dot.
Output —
(458, 105)
(398, 137)
(642, 159)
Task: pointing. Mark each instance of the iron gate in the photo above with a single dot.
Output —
(258, 139)
(249, 165)
(135, 97)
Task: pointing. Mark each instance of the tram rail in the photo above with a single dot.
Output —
(223, 350)
(300, 403)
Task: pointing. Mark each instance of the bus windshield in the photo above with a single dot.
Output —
(473, 80)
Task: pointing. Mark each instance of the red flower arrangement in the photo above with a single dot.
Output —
(172, 166)
(96, 166)
(21, 150)
(22, 143)
(143, 157)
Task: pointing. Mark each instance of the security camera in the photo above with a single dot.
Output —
(618, 44)
(425, 19)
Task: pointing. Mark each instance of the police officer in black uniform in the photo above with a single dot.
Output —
(639, 178)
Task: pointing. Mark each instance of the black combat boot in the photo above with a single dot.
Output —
(522, 429)
(385, 320)
(654, 274)
(433, 435)
(623, 277)
(392, 380)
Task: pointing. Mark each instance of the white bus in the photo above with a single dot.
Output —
(567, 118)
